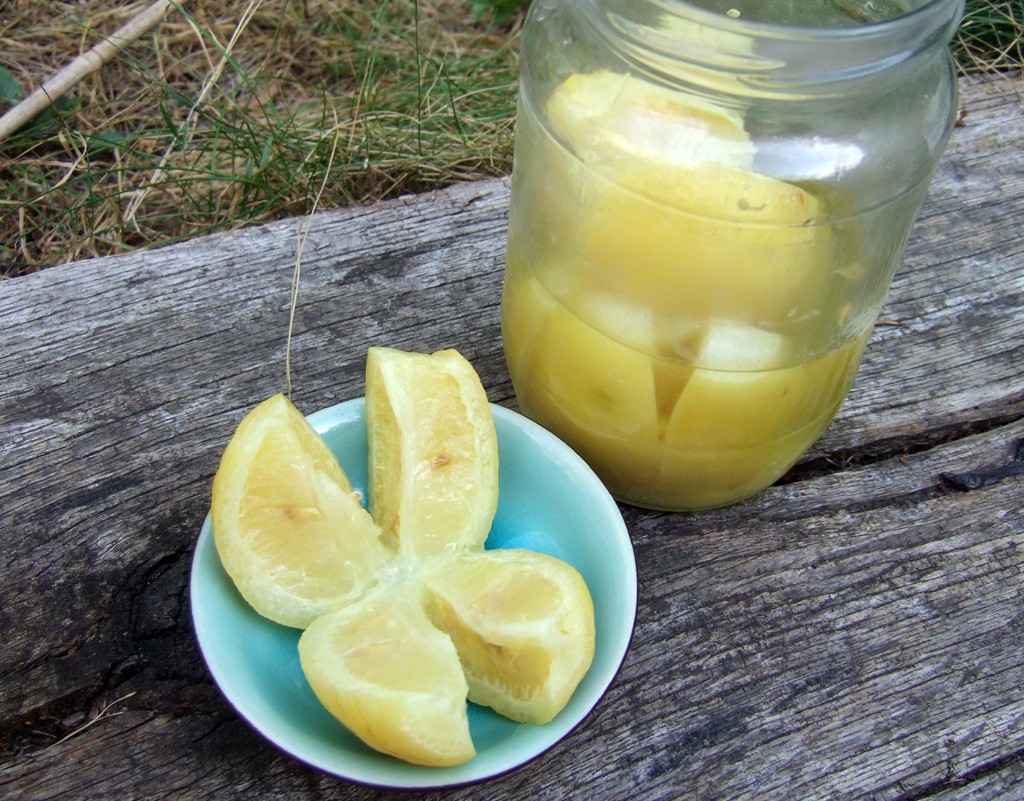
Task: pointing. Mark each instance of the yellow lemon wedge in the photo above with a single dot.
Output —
(433, 451)
(523, 626)
(289, 530)
(381, 668)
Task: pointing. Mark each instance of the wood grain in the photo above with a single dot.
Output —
(852, 633)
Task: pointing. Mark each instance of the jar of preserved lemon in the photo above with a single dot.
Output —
(709, 200)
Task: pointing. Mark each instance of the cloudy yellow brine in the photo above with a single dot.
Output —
(678, 317)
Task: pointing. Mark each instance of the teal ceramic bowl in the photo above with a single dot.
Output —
(549, 501)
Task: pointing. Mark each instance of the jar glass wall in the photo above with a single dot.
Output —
(708, 204)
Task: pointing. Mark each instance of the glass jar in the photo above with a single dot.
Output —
(709, 200)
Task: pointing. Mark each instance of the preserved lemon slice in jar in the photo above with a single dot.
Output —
(577, 370)
(608, 399)
(668, 212)
(739, 426)
(707, 241)
(602, 113)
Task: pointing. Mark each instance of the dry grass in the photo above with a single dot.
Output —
(991, 37)
(227, 114)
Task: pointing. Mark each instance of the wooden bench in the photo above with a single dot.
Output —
(854, 633)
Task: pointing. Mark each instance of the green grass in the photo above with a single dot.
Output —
(228, 115)
(990, 36)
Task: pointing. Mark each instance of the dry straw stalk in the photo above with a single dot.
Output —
(89, 62)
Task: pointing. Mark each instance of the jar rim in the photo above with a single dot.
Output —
(859, 30)
(730, 54)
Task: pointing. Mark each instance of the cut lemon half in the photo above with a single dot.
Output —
(522, 623)
(394, 680)
(433, 451)
(289, 530)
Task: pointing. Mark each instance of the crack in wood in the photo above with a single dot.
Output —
(24, 734)
(959, 782)
(987, 477)
(885, 449)
(146, 629)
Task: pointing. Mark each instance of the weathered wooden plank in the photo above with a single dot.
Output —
(806, 641)
(854, 633)
(830, 649)
(95, 432)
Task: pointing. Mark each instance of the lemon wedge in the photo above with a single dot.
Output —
(289, 530)
(522, 624)
(381, 668)
(433, 451)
